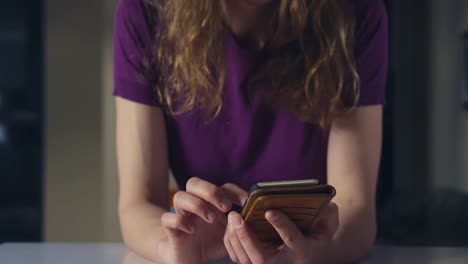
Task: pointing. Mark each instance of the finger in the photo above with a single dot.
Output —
(229, 248)
(175, 223)
(239, 250)
(210, 193)
(328, 222)
(253, 248)
(286, 228)
(237, 195)
(186, 202)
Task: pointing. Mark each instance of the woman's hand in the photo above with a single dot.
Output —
(195, 232)
(243, 246)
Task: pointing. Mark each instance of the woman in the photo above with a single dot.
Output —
(237, 92)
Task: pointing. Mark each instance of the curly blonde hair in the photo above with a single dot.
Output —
(310, 69)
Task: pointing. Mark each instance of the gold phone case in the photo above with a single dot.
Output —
(301, 204)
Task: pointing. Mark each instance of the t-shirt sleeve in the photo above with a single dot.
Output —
(132, 45)
(371, 50)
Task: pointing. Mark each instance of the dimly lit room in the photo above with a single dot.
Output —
(96, 169)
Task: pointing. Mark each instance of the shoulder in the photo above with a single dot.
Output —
(366, 4)
(371, 25)
(129, 8)
(132, 8)
(138, 15)
(371, 49)
(369, 14)
(366, 7)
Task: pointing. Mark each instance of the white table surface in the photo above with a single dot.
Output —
(117, 253)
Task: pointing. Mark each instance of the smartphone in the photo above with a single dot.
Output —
(301, 200)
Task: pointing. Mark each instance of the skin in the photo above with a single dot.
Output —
(346, 231)
(247, 19)
(200, 232)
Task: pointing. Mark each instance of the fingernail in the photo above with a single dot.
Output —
(235, 221)
(211, 216)
(225, 204)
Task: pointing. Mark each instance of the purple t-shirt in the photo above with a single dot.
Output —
(248, 142)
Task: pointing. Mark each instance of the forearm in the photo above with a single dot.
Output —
(354, 238)
(352, 167)
(142, 230)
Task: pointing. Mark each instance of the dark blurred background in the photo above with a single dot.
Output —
(57, 167)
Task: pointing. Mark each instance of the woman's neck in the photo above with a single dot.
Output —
(248, 22)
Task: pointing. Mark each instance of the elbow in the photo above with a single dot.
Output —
(358, 234)
(127, 214)
(124, 227)
(367, 241)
